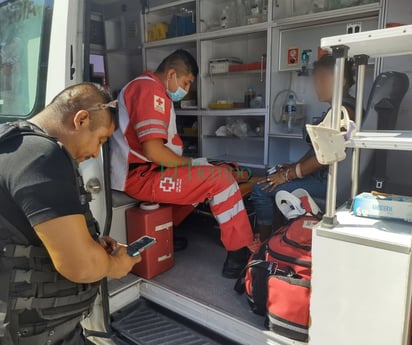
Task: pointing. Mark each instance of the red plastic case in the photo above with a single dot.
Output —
(158, 224)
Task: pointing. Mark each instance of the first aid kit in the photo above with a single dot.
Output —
(387, 206)
(152, 220)
(277, 277)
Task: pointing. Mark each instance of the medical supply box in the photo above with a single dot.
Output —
(154, 221)
(220, 66)
(375, 205)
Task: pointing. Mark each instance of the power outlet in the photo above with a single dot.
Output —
(353, 28)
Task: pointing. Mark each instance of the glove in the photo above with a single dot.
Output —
(200, 161)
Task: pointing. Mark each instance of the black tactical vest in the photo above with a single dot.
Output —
(34, 284)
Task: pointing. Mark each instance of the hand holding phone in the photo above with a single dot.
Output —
(137, 247)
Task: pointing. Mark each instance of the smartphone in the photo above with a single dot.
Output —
(136, 247)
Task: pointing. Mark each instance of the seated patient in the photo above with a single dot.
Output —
(307, 173)
(147, 161)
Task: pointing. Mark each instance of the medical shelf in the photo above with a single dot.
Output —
(171, 41)
(377, 43)
(383, 140)
(286, 135)
(381, 233)
(249, 43)
(169, 5)
(256, 72)
(240, 30)
(188, 112)
(328, 16)
(236, 112)
(250, 138)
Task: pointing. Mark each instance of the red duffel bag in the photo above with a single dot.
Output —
(291, 246)
(288, 306)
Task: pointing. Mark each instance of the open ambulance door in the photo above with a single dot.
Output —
(68, 66)
(41, 53)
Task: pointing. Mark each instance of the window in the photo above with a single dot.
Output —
(24, 49)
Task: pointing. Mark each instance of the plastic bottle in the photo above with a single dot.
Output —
(241, 13)
(290, 112)
(224, 18)
(249, 95)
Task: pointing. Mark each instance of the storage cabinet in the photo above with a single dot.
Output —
(307, 39)
(243, 139)
(248, 51)
(170, 20)
(361, 282)
(230, 86)
(217, 14)
(293, 8)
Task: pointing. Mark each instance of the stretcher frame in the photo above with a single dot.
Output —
(362, 46)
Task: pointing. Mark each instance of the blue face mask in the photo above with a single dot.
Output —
(178, 95)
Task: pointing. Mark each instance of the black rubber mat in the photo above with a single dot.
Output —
(143, 324)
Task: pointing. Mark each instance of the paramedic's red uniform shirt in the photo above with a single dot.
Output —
(145, 112)
(150, 116)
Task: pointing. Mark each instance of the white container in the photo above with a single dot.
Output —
(383, 206)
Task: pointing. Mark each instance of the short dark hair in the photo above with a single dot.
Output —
(181, 61)
(82, 97)
(328, 62)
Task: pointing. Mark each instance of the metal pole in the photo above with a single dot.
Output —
(361, 61)
(340, 53)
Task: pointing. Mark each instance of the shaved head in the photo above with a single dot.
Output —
(82, 97)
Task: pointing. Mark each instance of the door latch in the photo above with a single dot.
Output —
(93, 186)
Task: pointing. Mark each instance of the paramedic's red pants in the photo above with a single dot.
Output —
(190, 185)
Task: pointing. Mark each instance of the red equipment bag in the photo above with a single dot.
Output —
(277, 277)
(287, 252)
(290, 247)
(288, 306)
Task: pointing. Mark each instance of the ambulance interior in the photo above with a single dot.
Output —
(122, 46)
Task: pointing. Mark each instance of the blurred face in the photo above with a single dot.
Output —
(323, 83)
(184, 81)
(87, 139)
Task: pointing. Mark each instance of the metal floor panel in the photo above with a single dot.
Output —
(144, 325)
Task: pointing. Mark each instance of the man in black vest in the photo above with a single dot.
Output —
(51, 259)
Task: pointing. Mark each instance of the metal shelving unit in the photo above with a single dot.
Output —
(330, 15)
(199, 41)
(373, 257)
(209, 43)
(362, 46)
(383, 140)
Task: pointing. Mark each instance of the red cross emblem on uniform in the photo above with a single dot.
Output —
(167, 184)
(159, 104)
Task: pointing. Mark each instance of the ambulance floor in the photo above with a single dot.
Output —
(197, 271)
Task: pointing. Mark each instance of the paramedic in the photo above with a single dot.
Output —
(147, 161)
(307, 173)
(51, 260)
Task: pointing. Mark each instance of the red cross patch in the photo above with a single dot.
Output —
(159, 104)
